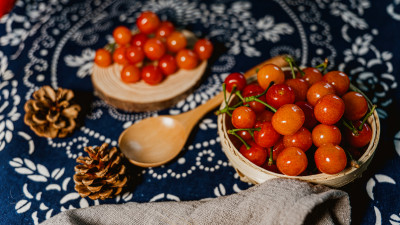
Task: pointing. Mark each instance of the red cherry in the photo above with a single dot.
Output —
(288, 119)
(273, 168)
(326, 134)
(243, 117)
(339, 80)
(279, 95)
(154, 49)
(147, 22)
(134, 54)
(318, 90)
(130, 74)
(167, 64)
(301, 139)
(312, 75)
(235, 80)
(245, 135)
(139, 39)
(253, 90)
(356, 105)
(299, 87)
(119, 55)
(203, 48)
(329, 109)
(310, 122)
(292, 161)
(265, 116)
(267, 136)
(186, 59)
(165, 29)
(277, 149)
(330, 159)
(362, 138)
(256, 154)
(151, 74)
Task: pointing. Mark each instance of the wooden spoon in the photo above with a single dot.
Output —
(155, 141)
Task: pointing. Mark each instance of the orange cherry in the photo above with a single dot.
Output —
(356, 105)
(330, 159)
(186, 59)
(318, 90)
(329, 109)
(269, 73)
(292, 161)
(176, 41)
(301, 139)
(312, 75)
(102, 58)
(326, 134)
(288, 119)
(339, 80)
(122, 35)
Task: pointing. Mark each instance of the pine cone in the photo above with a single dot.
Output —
(50, 113)
(102, 174)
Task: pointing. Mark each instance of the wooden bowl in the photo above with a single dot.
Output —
(249, 172)
(140, 96)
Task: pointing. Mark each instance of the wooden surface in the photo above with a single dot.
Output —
(140, 96)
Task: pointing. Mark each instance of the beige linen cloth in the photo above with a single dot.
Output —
(276, 201)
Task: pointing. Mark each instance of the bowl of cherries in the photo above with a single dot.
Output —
(303, 123)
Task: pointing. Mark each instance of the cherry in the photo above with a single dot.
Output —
(272, 168)
(243, 117)
(310, 122)
(255, 154)
(119, 55)
(339, 80)
(329, 109)
(269, 73)
(253, 90)
(318, 90)
(301, 139)
(292, 161)
(267, 136)
(330, 159)
(356, 105)
(152, 74)
(277, 149)
(299, 87)
(265, 116)
(134, 54)
(148, 22)
(245, 135)
(102, 58)
(167, 64)
(186, 59)
(122, 35)
(165, 29)
(236, 80)
(176, 41)
(130, 74)
(362, 138)
(279, 95)
(154, 49)
(203, 48)
(312, 75)
(139, 39)
(288, 119)
(325, 134)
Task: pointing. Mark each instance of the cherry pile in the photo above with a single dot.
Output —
(300, 121)
(157, 50)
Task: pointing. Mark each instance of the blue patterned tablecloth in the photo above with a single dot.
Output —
(53, 43)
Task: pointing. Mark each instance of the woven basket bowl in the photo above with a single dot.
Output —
(251, 173)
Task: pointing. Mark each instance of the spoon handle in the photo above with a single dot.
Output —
(190, 118)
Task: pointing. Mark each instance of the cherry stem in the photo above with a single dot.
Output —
(353, 162)
(366, 117)
(250, 130)
(226, 109)
(292, 63)
(350, 126)
(240, 138)
(256, 98)
(324, 65)
(110, 47)
(271, 158)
